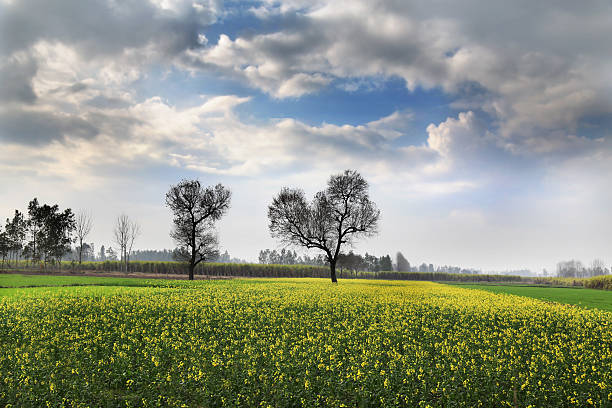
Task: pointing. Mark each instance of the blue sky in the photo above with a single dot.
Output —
(483, 129)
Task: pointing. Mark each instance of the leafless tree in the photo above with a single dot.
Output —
(83, 226)
(125, 233)
(338, 215)
(133, 233)
(571, 269)
(196, 209)
(598, 267)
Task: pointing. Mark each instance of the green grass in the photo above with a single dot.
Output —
(587, 298)
(22, 281)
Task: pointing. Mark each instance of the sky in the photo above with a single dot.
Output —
(483, 128)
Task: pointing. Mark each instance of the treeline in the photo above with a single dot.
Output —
(575, 269)
(155, 255)
(288, 257)
(403, 265)
(216, 269)
(357, 262)
(43, 234)
(350, 261)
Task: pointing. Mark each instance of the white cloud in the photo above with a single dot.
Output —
(538, 81)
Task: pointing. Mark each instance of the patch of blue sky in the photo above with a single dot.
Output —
(241, 20)
(595, 126)
(338, 103)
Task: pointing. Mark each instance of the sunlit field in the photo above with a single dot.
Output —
(298, 342)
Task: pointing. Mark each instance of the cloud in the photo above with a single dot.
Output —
(31, 127)
(100, 27)
(211, 138)
(539, 84)
(16, 75)
(465, 137)
(538, 80)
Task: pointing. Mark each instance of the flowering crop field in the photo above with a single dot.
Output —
(301, 342)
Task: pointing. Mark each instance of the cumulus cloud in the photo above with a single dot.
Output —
(465, 137)
(539, 71)
(209, 137)
(539, 84)
(105, 27)
(16, 75)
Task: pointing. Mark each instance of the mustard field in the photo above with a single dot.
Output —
(299, 343)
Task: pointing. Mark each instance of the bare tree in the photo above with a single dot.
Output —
(195, 211)
(598, 267)
(338, 215)
(125, 233)
(83, 225)
(133, 233)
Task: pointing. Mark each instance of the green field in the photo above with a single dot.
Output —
(588, 298)
(20, 281)
(295, 343)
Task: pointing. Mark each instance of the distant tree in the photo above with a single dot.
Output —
(15, 230)
(598, 267)
(111, 255)
(87, 252)
(224, 258)
(125, 233)
(264, 255)
(133, 233)
(338, 215)
(5, 246)
(59, 227)
(571, 269)
(35, 225)
(350, 261)
(83, 225)
(385, 263)
(102, 255)
(50, 231)
(164, 255)
(196, 209)
(402, 263)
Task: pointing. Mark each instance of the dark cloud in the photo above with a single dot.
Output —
(16, 80)
(100, 27)
(39, 128)
(106, 102)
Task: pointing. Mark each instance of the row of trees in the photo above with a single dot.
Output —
(368, 263)
(575, 269)
(402, 265)
(351, 260)
(288, 257)
(46, 234)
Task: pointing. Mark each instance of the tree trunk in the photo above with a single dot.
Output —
(332, 270)
(80, 251)
(191, 269)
